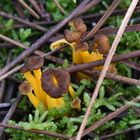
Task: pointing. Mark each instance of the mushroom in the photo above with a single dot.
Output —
(101, 42)
(34, 63)
(112, 69)
(71, 91)
(72, 36)
(25, 88)
(80, 53)
(31, 79)
(78, 25)
(76, 104)
(55, 82)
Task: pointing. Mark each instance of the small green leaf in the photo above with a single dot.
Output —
(9, 24)
(101, 92)
(24, 34)
(110, 106)
(65, 64)
(87, 99)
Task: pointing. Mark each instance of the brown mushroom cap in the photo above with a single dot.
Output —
(34, 62)
(25, 88)
(112, 69)
(102, 42)
(72, 36)
(63, 80)
(75, 103)
(81, 46)
(23, 69)
(78, 25)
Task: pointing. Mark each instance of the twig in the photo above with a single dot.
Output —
(4, 76)
(10, 90)
(114, 77)
(26, 22)
(96, 17)
(52, 134)
(133, 65)
(19, 9)
(35, 5)
(107, 118)
(10, 113)
(103, 19)
(88, 6)
(97, 63)
(7, 45)
(3, 83)
(44, 14)
(59, 6)
(2, 89)
(32, 12)
(106, 65)
(12, 41)
(42, 40)
(117, 133)
(18, 44)
(110, 30)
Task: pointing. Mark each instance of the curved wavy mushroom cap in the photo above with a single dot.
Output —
(23, 69)
(78, 25)
(34, 62)
(102, 43)
(76, 104)
(25, 88)
(112, 69)
(81, 46)
(55, 82)
(71, 36)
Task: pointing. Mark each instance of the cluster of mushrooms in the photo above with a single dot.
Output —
(80, 50)
(46, 87)
(49, 86)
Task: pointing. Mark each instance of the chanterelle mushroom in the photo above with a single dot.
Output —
(55, 82)
(26, 89)
(76, 104)
(101, 42)
(34, 64)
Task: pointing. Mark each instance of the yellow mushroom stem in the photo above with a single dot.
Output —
(54, 102)
(42, 95)
(75, 54)
(31, 79)
(71, 91)
(58, 43)
(79, 108)
(34, 100)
